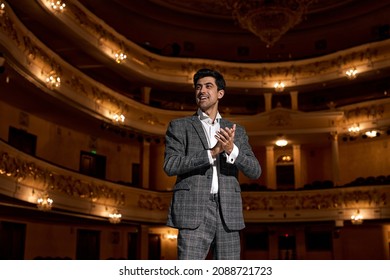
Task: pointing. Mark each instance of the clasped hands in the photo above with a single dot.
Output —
(225, 137)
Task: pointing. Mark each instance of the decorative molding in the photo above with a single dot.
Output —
(152, 202)
(179, 70)
(279, 119)
(364, 113)
(339, 199)
(23, 176)
(41, 178)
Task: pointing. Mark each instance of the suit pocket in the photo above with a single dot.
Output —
(184, 210)
(181, 195)
(181, 186)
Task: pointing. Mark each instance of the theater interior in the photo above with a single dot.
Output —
(88, 88)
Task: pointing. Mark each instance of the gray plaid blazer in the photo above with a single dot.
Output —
(186, 157)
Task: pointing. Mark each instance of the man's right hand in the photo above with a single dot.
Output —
(217, 149)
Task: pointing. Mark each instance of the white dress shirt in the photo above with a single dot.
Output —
(210, 128)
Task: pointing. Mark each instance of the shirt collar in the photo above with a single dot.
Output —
(204, 117)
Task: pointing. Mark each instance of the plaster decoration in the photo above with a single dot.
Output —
(78, 85)
(40, 178)
(151, 119)
(279, 119)
(8, 27)
(152, 202)
(326, 200)
(24, 119)
(365, 113)
(40, 56)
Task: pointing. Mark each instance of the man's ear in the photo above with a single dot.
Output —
(221, 93)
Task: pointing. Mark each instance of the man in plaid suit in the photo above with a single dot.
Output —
(206, 153)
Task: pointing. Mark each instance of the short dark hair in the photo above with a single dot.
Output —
(219, 79)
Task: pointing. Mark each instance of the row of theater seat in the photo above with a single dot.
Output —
(371, 180)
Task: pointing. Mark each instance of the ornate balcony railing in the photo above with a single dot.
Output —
(44, 68)
(26, 178)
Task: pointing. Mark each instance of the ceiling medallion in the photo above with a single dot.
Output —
(268, 20)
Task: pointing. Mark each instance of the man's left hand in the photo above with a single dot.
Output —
(225, 136)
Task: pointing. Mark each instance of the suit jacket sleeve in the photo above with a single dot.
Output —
(185, 149)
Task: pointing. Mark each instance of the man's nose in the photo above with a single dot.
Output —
(202, 89)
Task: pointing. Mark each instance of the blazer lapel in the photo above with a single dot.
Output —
(199, 130)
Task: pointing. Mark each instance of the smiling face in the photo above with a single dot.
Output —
(207, 96)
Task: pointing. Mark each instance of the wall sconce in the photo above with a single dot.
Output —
(118, 118)
(354, 129)
(45, 203)
(115, 217)
(3, 171)
(58, 5)
(279, 86)
(284, 159)
(372, 133)
(53, 80)
(120, 57)
(170, 236)
(357, 218)
(351, 73)
(2, 8)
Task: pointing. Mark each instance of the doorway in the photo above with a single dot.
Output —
(93, 165)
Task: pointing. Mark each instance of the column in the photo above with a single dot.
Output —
(268, 101)
(271, 167)
(144, 163)
(144, 242)
(145, 147)
(297, 166)
(335, 158)
(294, 100)
(146, 94)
